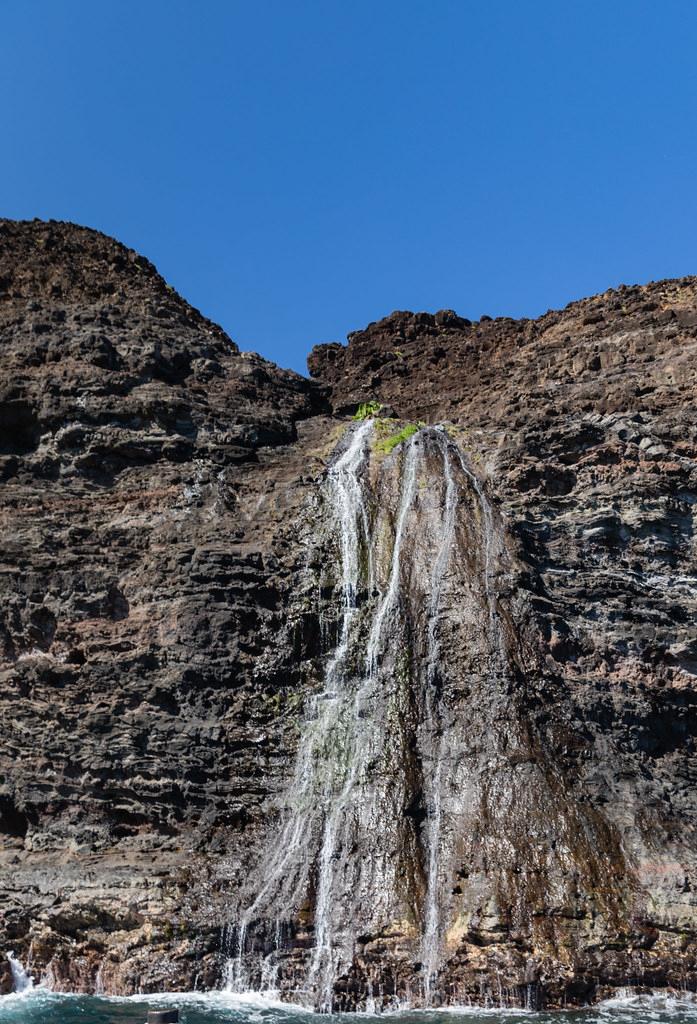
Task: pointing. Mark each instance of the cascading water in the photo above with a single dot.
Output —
(434, 747)
(430, 947)
(387, 601)
(350, 843)
(314, 780)
(21, 980)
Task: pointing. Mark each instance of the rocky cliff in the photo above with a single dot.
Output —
(392, 709)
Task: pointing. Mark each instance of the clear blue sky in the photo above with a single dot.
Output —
(297, 168)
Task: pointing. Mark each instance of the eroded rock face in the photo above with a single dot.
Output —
(580, 427)
(144, 572)
(171, 601)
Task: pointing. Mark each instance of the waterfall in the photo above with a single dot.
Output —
(347, 844)
(311, 794)
(388, 599)
(488, 541)
(324, 962)
(430, 946)
(22, 981)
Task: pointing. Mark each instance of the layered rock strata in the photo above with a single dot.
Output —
(172, 601)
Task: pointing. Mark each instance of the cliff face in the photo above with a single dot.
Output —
(403, 707)
(144, 573)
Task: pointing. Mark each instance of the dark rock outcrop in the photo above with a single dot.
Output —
(144, 573)
(162, 635)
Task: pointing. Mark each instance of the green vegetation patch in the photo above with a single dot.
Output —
(388, 444)
(366, 410)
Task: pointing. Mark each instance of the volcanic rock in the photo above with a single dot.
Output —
(162, 637)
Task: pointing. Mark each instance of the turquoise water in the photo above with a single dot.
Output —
(40, 1007)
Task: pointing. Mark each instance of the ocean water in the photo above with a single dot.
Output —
(41, 1007)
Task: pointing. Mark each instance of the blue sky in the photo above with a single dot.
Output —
(297, 168)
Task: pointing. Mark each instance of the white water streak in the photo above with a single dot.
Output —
(388, 599)
(430, 946)
(340, 734)
(324, 959)
(22, 981)
(346, 496)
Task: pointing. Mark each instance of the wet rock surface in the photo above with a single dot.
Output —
(171, 598)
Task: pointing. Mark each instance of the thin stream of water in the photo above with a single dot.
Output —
(395, 524)
(342, 731)
(431, 937)
(346, 498)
